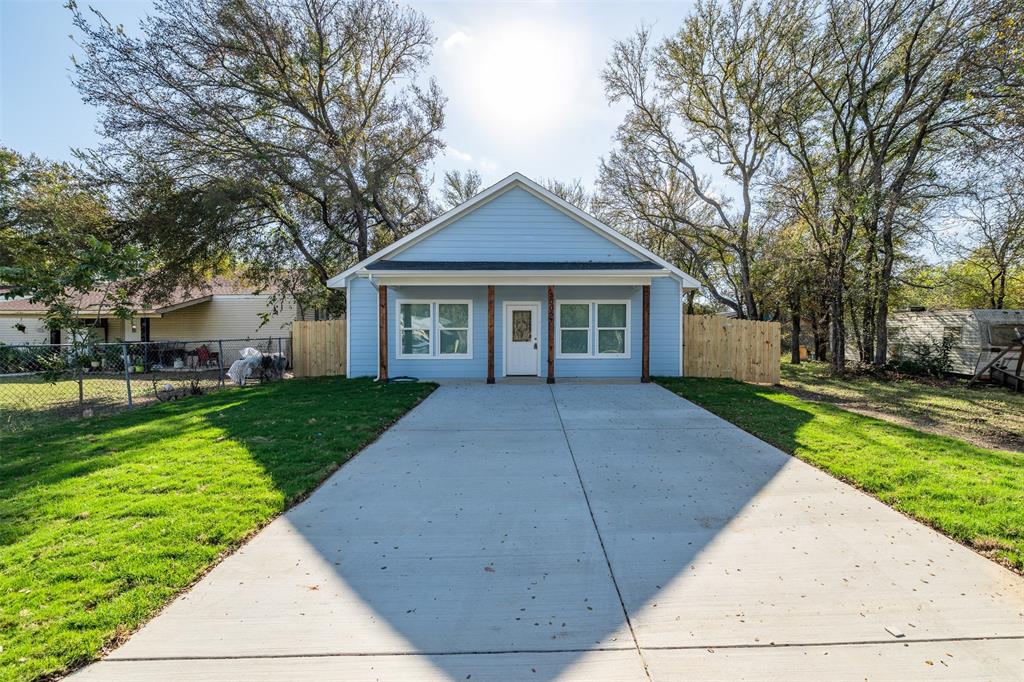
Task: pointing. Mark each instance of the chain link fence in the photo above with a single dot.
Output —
(47, 382)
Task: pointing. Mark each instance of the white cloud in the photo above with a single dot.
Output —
(459, 155)
(465, 158)
(454, 40)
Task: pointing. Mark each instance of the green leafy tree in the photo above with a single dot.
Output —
(289, 136)
(57, 251)
(705, 93)
(458, 188)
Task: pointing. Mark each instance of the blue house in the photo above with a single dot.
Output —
(514, 282)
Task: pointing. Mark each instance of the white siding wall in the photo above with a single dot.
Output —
(928, 327)
(34, 332)
(223, 318)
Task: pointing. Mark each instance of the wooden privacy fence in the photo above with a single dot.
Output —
(318, 348)
(745, 350)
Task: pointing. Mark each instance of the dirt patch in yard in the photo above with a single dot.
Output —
(986, 416)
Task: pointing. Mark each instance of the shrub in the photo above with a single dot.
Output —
(924, 358)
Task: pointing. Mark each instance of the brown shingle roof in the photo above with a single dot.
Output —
(217, 286)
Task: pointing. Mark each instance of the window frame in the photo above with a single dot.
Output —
(625, 330)
(592, 330)
(435, 330)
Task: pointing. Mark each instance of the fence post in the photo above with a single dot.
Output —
(127, 377)
(81, 389)
(220, 361)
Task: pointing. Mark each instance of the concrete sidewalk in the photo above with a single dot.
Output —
(585, 531)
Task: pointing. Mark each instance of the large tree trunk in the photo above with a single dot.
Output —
(826, 354)
(837, 318)
(795, 342)
(818, 327)
(747, 292)
(837, 335)
(881, 350)
(881, 354)
(866, 334)
(362, 236)
(858, 338)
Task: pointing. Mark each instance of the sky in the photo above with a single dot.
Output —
(522, 80)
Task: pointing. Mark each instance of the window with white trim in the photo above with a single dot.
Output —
(574, 328)
(435, 329)
(593, 329)
(452, 328)
(612, 327)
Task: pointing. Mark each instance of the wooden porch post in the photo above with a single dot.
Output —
(551, 334)
(490, 334)
(382, 330)
(645, 370)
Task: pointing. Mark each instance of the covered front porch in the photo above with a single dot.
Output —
(462, 323)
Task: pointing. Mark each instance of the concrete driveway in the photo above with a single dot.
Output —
(585, 531)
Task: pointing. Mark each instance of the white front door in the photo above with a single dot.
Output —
(522, 344)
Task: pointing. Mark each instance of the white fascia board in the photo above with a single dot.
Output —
(520, 180)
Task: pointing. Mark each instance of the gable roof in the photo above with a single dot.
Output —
(514, 180)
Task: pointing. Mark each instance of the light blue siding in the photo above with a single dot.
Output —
(665, 330)
(438, 368)
(666, 327)
(516, 226)
(361, 314)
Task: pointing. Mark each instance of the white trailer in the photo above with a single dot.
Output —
(978, 334)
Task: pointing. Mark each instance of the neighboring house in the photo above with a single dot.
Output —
(514, 282)
(977, 334)
(224, 308)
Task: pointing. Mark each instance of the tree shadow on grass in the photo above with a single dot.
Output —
(295, 436)
(102, 520)
(968, 492)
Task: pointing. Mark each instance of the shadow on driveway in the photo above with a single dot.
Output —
(584, 530)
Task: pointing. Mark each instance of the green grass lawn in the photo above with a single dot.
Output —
(991, 417)
(103, 521)
(972, 494)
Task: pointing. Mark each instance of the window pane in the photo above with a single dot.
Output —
(416, 342)
(574, 340)
(575, 315)
(1004, 334)
(611, 341)
(522, 326)
(416, 315)
(453, 315)
(611, 314)
(454, 343)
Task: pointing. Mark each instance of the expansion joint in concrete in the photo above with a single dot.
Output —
(600, 540)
